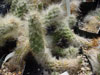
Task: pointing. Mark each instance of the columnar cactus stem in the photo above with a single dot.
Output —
(36, 34)
(72, 21)
(63, 31)
(52, 14)
(23, 46)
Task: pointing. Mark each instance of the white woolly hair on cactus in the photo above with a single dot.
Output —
(10, 19)
(8, 27)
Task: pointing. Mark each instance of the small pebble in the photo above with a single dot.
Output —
(88, 69)
(83, 69)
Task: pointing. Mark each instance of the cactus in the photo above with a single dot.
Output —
(22, 48)
(65, 64)
(38, 46)
(60, 29)
(62, 38)
(52, 14)
(19, 8)
(23, 7)
(39, 50)
(72, 21)
(70, 52)
(54, 17)
(36, 34)
(63, 31)
(8, 28)
(32, 37)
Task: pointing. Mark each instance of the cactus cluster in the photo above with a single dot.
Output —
(33, 31)
(38, 31)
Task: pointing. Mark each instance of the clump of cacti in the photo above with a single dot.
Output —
(33, 29)
(61, 31)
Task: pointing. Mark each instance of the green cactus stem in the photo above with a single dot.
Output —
(52, 14)
(36, 34)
